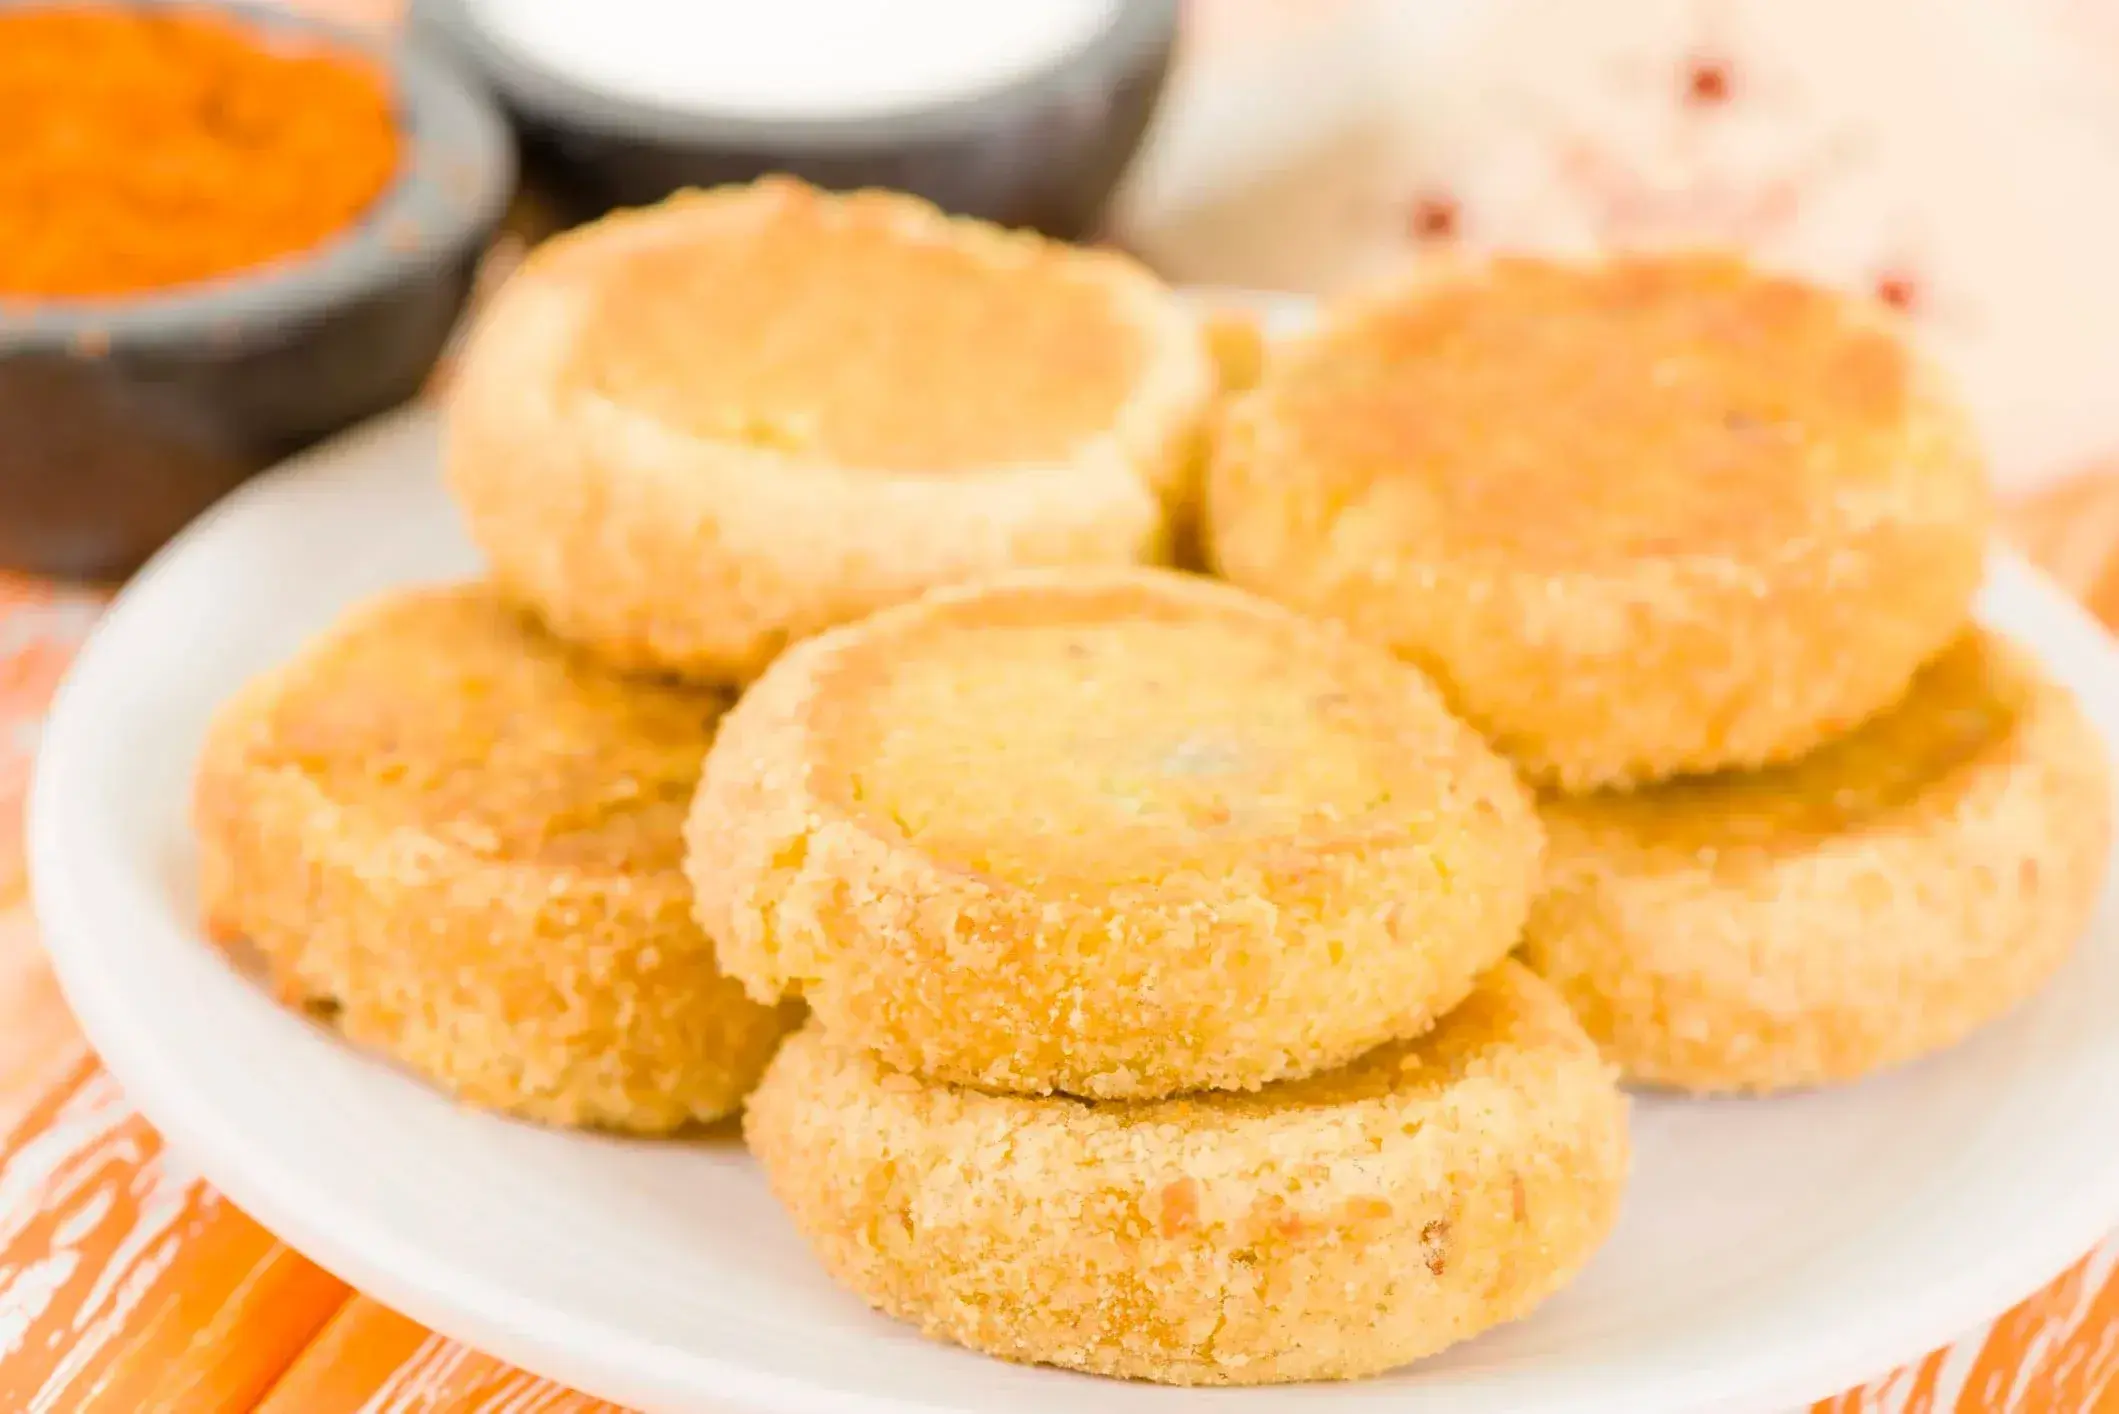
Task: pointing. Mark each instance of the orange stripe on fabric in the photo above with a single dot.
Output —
(349, 1362)
(2014, 1344)
(2080, 1368)
(67, 1199)
(39, 1043)
(238, 1309)
(449, 1378)
(1910, 1389)
(1927, 1385)
(40, 630)
(370, 1360)
(129, 1285)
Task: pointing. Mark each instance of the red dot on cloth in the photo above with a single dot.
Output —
(1709, 82)
(1434, 217)
(1898, 290)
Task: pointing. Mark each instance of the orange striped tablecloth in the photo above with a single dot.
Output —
(127, 1285)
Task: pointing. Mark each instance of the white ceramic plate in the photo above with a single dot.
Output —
(1770, 1251)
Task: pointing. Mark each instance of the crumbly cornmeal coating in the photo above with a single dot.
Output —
(1114, 833)
(461, 841)
(1325, 1228)
(693, 433)
(1651, 516)
(1873, 902)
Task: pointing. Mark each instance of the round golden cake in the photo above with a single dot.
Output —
(1113, 833)
(460, 841)
(1324, 1228)
(1646, 517)
(1873, 902)
(691, 434)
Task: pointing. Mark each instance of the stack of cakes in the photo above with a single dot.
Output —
(1116, 964)
(1154, 939)
(683, 437)
(1696, 547)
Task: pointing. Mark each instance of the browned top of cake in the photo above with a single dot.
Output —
(1962, 709)
(864, 330)
(1589, 413)
(1066, 736)
(451, 713)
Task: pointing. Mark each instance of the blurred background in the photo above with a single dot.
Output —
(1957, 160)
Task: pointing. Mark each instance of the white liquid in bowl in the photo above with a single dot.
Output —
(794, 59)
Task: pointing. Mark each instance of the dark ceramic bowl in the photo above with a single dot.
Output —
(1045, 151)
(121, 419)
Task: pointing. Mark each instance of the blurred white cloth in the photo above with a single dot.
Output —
(1959, 158)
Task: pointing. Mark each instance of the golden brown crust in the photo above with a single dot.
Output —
(702, 550)
(1237, 339)
(1320, 1229)
(1115, 833)
(458, 840)
(1816, 922)
(1654, 516)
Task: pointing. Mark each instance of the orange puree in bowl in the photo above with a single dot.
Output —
(147, 149)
